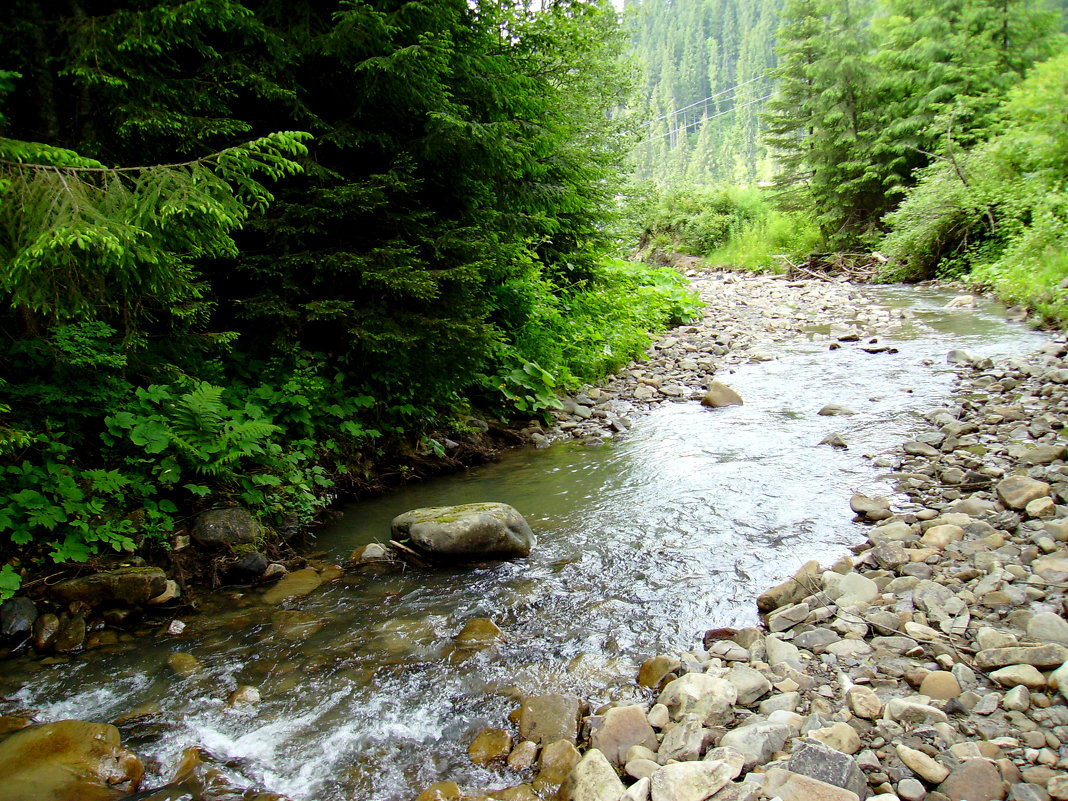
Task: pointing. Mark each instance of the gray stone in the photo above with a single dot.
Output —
(1018, 491)
(1048, 627)
(816, 638)
(757, 741)
(689, 781)
(911, 790)
(779, 651)
(834, 410)
(974, 780)
(890, 555)
(854, 590)
(470, 532)
(619, 729)
(17, 616)
(787, 617)
(790, 786)
(819, 761)
(711, 699)
(232, 526)
(683, 742)
(550, 718)
(1041, 656)
(750, 684)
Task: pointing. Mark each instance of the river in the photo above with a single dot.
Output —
(643, 543)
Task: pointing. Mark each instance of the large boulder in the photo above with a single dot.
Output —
(67, 760)
(466, 533)
(127, 585)
(232, 526)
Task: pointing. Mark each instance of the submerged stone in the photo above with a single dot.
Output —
(70, 759)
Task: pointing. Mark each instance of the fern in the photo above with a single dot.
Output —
(210, 436)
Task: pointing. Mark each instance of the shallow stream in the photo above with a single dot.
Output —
(643, 544)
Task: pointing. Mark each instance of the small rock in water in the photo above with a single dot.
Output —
(491, 745)
(962, 302)
(835, 441)
(834, 410)
(720, 395)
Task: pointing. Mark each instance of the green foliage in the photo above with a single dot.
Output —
(694, 220)
(178, 335)
(10, 581)
(702, 89)
(82, 241)
(194, 430)
(587, 331)
(759, 245)
(870, 92)
(999, 209)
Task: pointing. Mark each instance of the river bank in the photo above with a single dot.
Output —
(745, 320)
(933, 664)
(373, 648)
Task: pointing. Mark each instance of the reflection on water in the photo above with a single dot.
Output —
(642, 545)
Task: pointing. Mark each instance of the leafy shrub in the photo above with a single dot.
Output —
(999, 211)
(586, 332)
(695, 220)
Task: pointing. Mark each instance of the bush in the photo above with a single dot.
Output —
(585, 332)
(734, 226)
(998, 214)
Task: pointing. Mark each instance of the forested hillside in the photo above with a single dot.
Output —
(705, 77)
(932, 131)
(252, 248)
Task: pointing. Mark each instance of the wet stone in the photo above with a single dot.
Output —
(184, 665)
(654, 669)
(293, 585)
(465, 533)
(720, 395)
(550, 718)
(128, 585)
(490, 745)
(67, 760)
(479, 630)
(17, 616)
(555, 763)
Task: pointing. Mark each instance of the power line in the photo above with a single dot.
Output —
(706, 119)
(705, 100)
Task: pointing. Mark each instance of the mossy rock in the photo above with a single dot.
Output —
(470, 532)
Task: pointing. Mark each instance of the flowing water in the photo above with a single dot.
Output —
(642, 545)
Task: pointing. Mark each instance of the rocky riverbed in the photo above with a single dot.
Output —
(924, 666)
(932, 664)
(744, 320)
